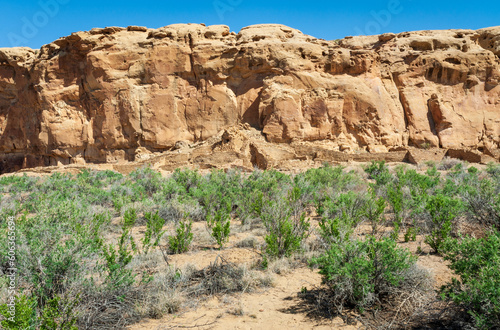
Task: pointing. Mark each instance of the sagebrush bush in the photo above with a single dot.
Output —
(379, 172)
(482, 199)
(183, 237)
(147, 178)
(286, 224)
(449, 163)
(117, 258)
(341, 215)
(25, 314)
(223, 277)
(477, 289)
(317, 180)
(219, 221)
(154, 231)
(443, 210)
(359, 274)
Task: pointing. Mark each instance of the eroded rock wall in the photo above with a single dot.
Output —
(108, 94)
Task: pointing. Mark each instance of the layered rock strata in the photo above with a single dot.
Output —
(114, 94)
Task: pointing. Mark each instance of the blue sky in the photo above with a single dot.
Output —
(33, 23)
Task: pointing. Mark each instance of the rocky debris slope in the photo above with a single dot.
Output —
(117, 94)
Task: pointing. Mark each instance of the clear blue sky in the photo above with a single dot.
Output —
(33, 23)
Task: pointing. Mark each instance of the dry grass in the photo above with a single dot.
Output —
(448, 163)
(280, 266)
(249, 242)
(223, 277)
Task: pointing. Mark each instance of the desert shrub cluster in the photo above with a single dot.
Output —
(83, 263)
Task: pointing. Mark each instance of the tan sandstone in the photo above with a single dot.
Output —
(115, 94)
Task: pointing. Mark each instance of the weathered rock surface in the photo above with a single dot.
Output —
(120, 94)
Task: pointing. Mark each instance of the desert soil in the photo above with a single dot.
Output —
(278, 307)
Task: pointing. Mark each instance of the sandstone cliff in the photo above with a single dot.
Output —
(115, 94)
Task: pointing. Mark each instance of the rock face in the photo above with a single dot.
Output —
(114, 94)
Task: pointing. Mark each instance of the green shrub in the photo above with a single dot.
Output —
(268, 182)
(379, 172)
(482, 199)
(318, 181)
(59, 314)
(182, 240)
(342, 214)
(24, 316)
(154, 232)
(17, 183)
(494, 171)
(318, 185)
(220, 222)
(54, 253)
(375, 213)
(286, 224)
(129, 218)
(148, 179)
(477, 290)
(116, 260)
(443, 210)
(56, 249)
(186, 179)
(286, 235)
(350, 206)
(334, 231)
(121, 195)
(250, 206)
(397, 201)
(360, 273)
(411, 234)
(98, 179)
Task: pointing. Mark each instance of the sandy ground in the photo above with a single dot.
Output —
(278, 307)
(275, 308)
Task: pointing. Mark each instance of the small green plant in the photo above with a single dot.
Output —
(182, 240)
(375, 213)
(116, 260)
(472, 170)
(23, 316)
(154, 232)
(443, 210)
(286, 224)
(379, 172)
(477, 290)
(334, 230)
(285, 236)
(411, 234)
(129, 218)
(219, 221)
(59, 314)
(426, 145)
